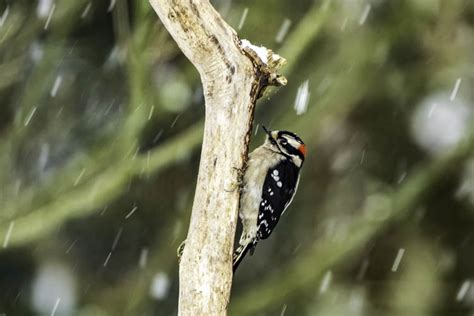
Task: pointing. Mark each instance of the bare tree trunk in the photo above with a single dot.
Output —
(231, 87)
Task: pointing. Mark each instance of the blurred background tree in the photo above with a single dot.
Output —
(100, 130)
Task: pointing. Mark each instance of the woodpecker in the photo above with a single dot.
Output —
(268, 187)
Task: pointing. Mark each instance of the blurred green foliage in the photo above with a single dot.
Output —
(101, 119)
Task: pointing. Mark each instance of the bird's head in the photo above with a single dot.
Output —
(287, 143)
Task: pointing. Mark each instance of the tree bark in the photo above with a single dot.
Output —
(232, 79)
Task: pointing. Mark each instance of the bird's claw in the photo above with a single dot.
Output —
(179, 251)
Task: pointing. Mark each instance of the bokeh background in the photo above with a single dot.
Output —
(100, 129)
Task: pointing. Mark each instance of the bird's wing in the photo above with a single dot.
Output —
(277, 193)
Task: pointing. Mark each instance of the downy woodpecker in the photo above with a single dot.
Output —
(269, 185)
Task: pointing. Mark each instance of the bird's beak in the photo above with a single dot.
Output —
(268, 132)
(271, 135)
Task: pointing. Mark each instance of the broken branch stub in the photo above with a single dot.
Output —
(266, 64)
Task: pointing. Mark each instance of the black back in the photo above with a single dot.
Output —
(275, 198)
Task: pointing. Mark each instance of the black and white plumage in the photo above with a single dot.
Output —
(269, 185)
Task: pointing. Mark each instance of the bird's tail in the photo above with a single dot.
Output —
(240, 253)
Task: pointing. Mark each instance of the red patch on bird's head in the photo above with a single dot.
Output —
(302, 149)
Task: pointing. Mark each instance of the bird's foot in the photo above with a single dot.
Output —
(179, 251)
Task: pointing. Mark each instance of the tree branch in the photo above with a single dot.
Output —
(231, 87)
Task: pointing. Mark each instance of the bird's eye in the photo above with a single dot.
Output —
(283, 142)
